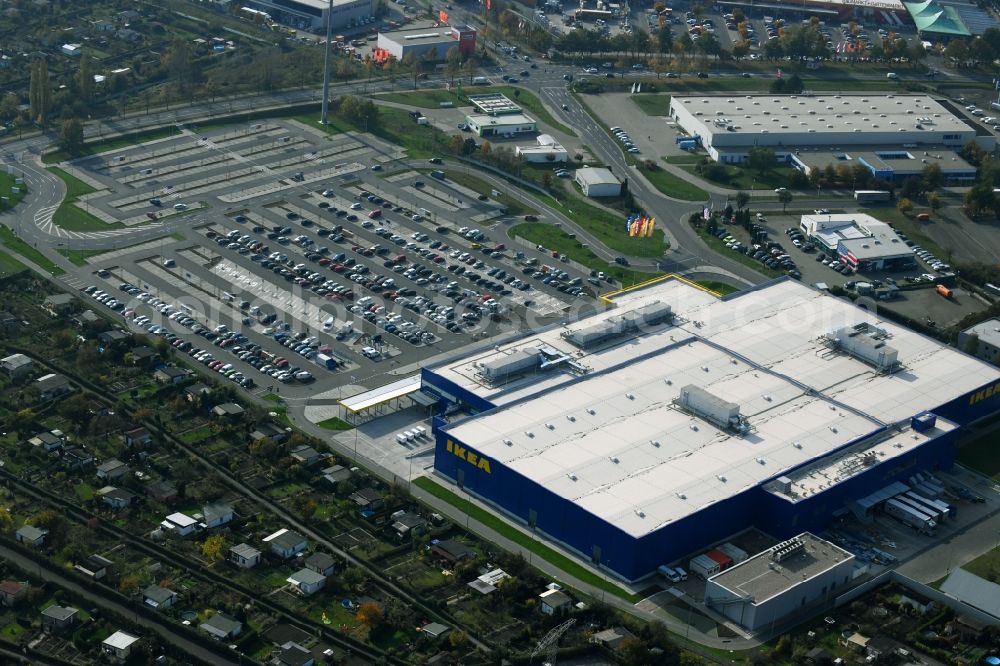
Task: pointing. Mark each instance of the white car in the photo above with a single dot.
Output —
(180, 206)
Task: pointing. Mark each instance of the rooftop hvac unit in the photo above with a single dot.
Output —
(518, 362)
(786, 549)
(715, 410)
(867, 344)
(626, 324)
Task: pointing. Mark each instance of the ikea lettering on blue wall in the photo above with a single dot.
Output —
(985, 393)
(468, 456)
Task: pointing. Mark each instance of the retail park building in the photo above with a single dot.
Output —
(675, 419)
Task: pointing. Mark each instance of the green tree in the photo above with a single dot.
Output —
(40, 92)
(452, 63)
(785, 197)
(932, 177)
(742, 199)
(934, 201)
(761, 159)
(71, 136)
(457, 640)
(85, 80)
(214, 547)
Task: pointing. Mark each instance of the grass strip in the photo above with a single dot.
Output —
(719, 287)
(101, 146)
(335, 423)
(673, 185)
(8, 182)
(514, 206)
(564, 563)
(79, 257)
(68, 215)
(10, 266)
(554, 238)
(19, 246)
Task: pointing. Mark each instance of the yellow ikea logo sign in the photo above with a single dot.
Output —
(985, 393)
(468, 456)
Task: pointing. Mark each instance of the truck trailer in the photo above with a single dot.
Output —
(943, 509)
(908, 516)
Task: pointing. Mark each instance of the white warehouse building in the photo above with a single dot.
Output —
(728, 127)
(780, 581)
(312, 14)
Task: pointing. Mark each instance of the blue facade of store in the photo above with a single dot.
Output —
(634, 558)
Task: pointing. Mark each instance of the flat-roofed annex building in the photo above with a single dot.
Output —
(729, 126)
(640, 434)
(774, 584)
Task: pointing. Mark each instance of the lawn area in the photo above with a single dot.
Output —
(196, 435)
(287, 490)
(607, 227)
(673, 185)
(84, 492)
(908, 225)
(10, 266)
(717, 245)
(335, 423)
(395, 126)
(514, 207)
(178, 236)
(7, 185)
(95, 147)
(79, 257)
(740, 178)
(554, 238)
(721, 288)
(557, 559)
(653, 105)
(688, 158)
(425, 99)
(68, 216)
(986, 566)
(28, 252)
(980, 454)
(11, 632)
(271, 397)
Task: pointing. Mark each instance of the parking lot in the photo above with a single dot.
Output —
(310, 255)
(915, 292)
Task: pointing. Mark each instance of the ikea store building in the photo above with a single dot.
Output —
(676, 419)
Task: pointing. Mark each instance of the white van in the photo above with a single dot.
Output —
(892, 76)
(669, 573)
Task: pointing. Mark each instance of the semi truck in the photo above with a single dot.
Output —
(943, 508)
(933, 514)
(909, 516)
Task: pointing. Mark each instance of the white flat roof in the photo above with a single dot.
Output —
(762, 351)
(377, 396)
(120, 640)
(596, 176)
(484, 120)
(820, 114)
(181, 519)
